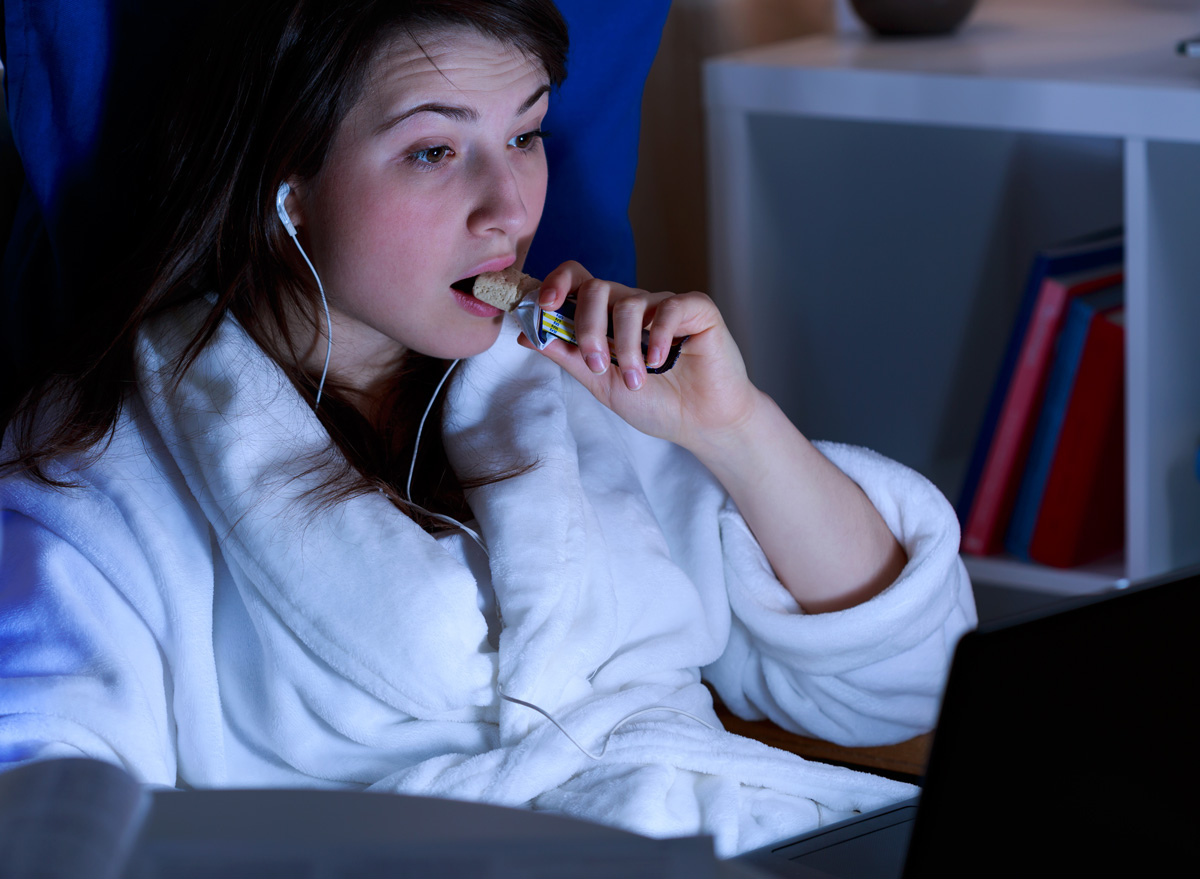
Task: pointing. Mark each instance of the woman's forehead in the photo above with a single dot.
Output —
(455, 61)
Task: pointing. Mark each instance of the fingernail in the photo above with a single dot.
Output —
(654, 357)
(596, 362)
(633, 379)
(545, 298)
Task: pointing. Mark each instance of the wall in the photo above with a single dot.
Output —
(668, 208)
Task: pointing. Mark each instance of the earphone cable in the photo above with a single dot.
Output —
(412, 466)
(281, 195)
(328, 322)
(607, 736)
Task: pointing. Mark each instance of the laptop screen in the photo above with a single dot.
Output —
(1068, 740)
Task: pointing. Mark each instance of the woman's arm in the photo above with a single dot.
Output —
(825, 540)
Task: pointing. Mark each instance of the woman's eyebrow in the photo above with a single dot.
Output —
(450, 111)
(533, 99)
(455, 112)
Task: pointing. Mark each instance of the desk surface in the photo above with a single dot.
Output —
(905, 761)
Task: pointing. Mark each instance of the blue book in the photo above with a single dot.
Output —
(1059, 385)
(1106, 247)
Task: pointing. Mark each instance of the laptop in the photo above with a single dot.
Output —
(1067, 741)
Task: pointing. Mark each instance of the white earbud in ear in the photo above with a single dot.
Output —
(281, 195)
(281, 208)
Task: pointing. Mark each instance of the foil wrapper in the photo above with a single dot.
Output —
(540, 327)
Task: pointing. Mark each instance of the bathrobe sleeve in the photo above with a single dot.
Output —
(871, 674)
(81, 671)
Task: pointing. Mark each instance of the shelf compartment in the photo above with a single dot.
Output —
(875, 205)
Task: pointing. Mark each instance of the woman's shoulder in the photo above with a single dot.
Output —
(125, 480)
(119, 523)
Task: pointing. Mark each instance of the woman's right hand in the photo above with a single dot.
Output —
(706, 392)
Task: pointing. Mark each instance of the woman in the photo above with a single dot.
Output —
(218, 571)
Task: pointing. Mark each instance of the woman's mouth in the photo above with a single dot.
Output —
(466, 285)
(467, 301)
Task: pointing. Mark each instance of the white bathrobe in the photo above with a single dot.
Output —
(191, 615)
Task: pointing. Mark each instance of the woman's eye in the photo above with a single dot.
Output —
(430, 155)
(527, 140)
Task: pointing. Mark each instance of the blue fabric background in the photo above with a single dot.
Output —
(594, 126)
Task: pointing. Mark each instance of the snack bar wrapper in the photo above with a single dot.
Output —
(541, 326)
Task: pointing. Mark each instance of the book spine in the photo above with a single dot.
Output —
(1040, 269)
(994, 497)
(1082, 514)
(1046, 434)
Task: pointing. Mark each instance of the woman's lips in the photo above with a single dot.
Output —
(471, 305)
(462, 288)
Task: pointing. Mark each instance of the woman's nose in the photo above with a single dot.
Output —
(499, 200)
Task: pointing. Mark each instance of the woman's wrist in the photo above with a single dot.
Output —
(825, 540)
(748, 442)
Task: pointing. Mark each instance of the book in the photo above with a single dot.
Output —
(79, 818)
(1083, 507)
(1070, 506)
(1105, 247)
(987, 520)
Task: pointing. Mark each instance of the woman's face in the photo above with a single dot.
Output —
(437, 173)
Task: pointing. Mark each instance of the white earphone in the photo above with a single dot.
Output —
(281, 208)
(281, 195)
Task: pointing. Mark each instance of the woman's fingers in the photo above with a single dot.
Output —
(628, 320)
(592, 300)
(634, 327)
(706, 390)
(664, 330)
(567, 357)
(557, 285)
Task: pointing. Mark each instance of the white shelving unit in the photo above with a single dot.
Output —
(875, 204)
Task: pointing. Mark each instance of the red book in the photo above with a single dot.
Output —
(1000, 478)
(1082, 514)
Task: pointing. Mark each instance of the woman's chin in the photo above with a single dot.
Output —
(466, 344)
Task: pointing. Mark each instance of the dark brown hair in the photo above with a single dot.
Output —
(260, 100)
